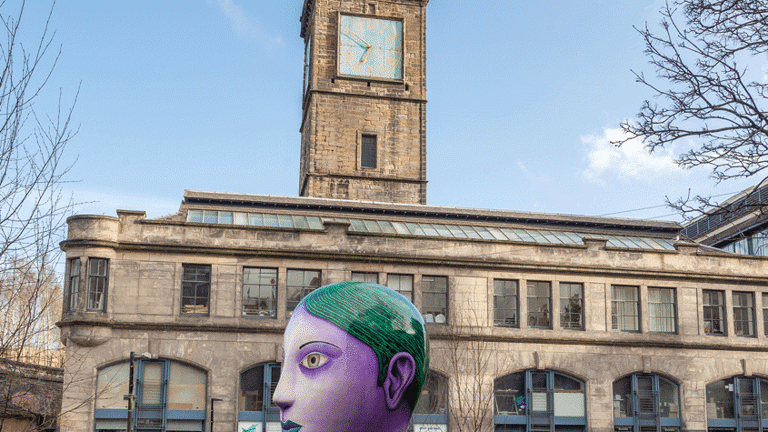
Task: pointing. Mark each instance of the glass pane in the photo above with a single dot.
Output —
(434, 396)
(151, 393)
(402, 284)
(365, 277)
(186, 387)
(259, 292)
(195, 216)
(252, 389)
(622, 397)
(669, 398)
(210, 217)
(225, 218)
(270, 220)
(241, 219)
(505, 303)
(509, 394)
(720, 399)
(112, 385)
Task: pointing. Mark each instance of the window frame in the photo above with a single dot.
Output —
(563, 300)
(651, 311)
(259, 286)
(722, 320)
(765, 313)
(169, 388)
(269, 412)
(362, 276)
(440, 414)
(434, 294)
(97, 277)
(533, 287)
(501, 288)
(196, 284)
(304, 288)
(530, 395)
(734, 411)
(399, 277)
(73, 284)
(615, 321)
(635, 408)
(369, 154)
(748, 309)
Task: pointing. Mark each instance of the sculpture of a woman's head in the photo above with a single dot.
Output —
(355, 358)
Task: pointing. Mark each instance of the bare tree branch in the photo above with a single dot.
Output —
(32, 206)
(705, 93)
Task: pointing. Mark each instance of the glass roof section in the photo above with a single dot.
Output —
(421, 229)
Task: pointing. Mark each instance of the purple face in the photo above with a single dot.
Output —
(327, 379)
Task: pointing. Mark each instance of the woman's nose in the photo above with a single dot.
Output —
(283, 396)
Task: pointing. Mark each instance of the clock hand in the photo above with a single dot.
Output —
(351, 33)
(368, 51)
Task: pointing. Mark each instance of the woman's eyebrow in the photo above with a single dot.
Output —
(322, 342)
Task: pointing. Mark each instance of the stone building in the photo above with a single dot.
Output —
(538, 322)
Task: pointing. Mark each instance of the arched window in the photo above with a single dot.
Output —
(539, 400)
(431, 412)
(257, 413)
(738, 404)
(646, 402)
(168, 395)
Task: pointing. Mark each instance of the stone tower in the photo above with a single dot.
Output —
(363, 128)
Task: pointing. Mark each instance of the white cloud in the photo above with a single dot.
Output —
(631, 161)
(246, 26)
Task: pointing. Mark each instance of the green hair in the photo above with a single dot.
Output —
(379, 317)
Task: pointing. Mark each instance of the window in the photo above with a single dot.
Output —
(539, 400)
(169, 396)
(368, 151)
(714, 312)
(259, 292)
(299, 284)
(646, 402)
(97, 283)
(625, 308)
(365, 277)
(765, 313)
(73, 284)
(738, 403)
(434, 298)
(744, 314)
(539, 304)
(505, 303)
(572, 306)
(195, 289)
(257, 388)
(661, 310)
(402, 284)
(432, 407)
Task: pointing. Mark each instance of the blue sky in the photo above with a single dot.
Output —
(205, 95)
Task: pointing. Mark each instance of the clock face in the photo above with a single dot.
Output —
(371, 47)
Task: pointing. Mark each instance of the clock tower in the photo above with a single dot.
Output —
(363, 128)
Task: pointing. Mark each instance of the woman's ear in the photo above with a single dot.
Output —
(400, 374)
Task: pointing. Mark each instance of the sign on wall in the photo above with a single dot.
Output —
(430, 428)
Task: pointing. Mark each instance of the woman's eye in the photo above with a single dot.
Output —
(314, 360)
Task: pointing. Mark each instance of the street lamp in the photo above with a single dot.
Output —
(130, 397)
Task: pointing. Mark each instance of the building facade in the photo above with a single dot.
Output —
(537, 322)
